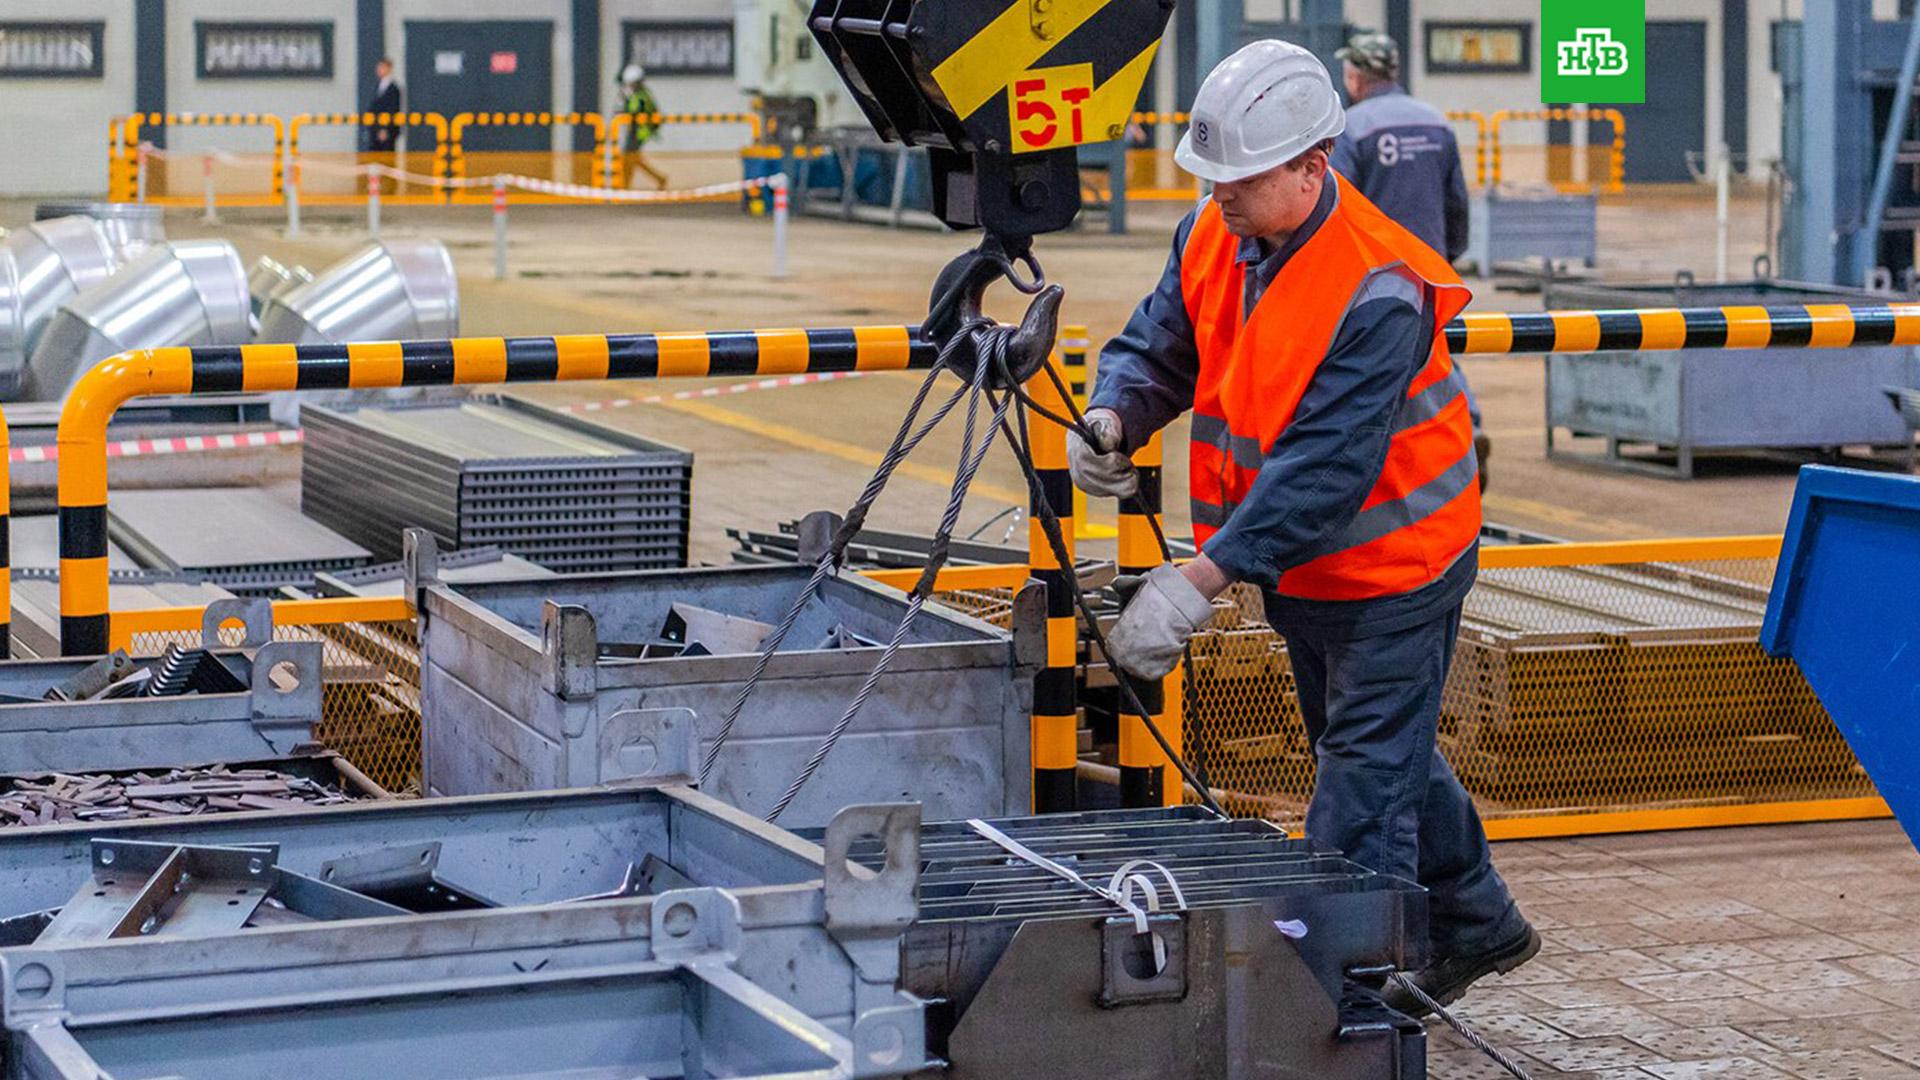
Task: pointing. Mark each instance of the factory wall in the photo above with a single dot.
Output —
(56, 142)
(676, 93)
(189, 89)
(55, 137)
(1727, 88)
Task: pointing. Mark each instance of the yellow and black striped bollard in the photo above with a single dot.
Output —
(1055, 735)
(1144, 768)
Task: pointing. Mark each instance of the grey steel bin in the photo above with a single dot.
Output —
(516, 697)
(1680, 403)
(739, 950)
(1513, 226)
(266, 720)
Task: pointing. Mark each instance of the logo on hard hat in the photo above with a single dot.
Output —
(1593, 51)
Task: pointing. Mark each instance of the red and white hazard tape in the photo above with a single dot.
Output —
(512, 180)
(184, 445)
(712, 391)
(254, 439)
(584, 191)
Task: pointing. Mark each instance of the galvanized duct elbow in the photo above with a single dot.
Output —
(13, 329)
(390, 290)
(186, 292)
(131, 228)
(54, 260)
(268, 277)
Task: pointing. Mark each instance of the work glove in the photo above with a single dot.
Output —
(1155, 625)
(1101, 468)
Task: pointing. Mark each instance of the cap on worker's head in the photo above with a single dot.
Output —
(631, 74)
(1261, 108)
(1372, 52)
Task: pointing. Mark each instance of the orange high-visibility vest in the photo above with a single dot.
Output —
(1424, 511)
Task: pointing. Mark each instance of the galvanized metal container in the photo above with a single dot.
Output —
(1509, 227)
(1680, 403)
(130, 227)
(517, 696)
(1246, 958)
(55, 260)
(390, 290)
(271, 718)
(713, 945)
(187, 292)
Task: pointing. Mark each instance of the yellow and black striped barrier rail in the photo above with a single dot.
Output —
(1815, 326)
(482, 361)
(113, 382)
(134, 122)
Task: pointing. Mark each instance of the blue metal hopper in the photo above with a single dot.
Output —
(1846, 606)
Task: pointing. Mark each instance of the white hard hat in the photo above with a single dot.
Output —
(632, 73)
(1261, 108)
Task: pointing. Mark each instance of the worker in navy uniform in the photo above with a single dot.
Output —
(1332, 467)
(1402, 155)
(383, 139)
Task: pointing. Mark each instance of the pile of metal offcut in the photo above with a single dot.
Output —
(51, 798)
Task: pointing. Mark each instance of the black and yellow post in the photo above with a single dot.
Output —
(254, 369)
(1074, 349)
(1055, 734)
(1143, 766)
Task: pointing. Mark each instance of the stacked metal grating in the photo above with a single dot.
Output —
(558, 491)
(1572, 688)
(1261, 951)
(1595, 685)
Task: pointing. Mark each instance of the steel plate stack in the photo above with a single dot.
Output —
(540, 484)
(242, 539)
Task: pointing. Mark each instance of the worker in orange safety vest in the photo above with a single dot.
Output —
(1332, 465)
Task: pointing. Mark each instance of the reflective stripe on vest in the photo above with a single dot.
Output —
(1424, 508)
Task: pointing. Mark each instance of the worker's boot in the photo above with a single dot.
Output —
(1448, 977)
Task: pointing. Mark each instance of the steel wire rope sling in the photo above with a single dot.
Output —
(992, 361)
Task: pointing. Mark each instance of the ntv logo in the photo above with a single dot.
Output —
(1593, 52)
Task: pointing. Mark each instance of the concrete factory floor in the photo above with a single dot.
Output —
(1790, 951)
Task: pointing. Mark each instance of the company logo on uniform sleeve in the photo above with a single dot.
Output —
(1594, 51)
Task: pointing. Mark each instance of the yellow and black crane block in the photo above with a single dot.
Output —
(1000, 92)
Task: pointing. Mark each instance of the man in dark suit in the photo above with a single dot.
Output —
(382, 138)
(381, 129)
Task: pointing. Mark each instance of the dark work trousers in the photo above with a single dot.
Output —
(1383, 794)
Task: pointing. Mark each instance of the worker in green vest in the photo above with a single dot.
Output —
(638, 103)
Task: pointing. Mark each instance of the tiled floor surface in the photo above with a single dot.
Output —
(1753, 954)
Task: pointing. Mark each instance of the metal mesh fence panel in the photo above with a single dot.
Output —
(370, 706)
(1574, 690)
